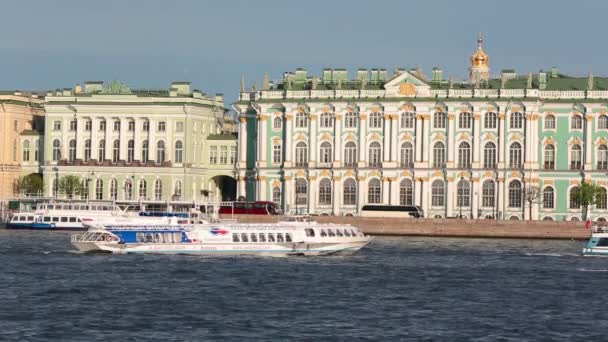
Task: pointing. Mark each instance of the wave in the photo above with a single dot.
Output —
(591, 270)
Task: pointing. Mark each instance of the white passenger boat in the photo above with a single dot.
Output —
(598, 242)
(295, 237)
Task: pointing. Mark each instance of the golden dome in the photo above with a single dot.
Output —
(480, 58)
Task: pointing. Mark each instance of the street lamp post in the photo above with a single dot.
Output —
(56, 187)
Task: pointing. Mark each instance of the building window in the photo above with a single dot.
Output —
(99, 189)
(548, 198)
(177, 193)
(72, 151)
(276, 195)
(158, 190)
(350, 120)
(375, 154)
(179, 152)
(85, 189)
(407, 120)
(102, 150)
(113, 189)
(464, 120)
(87, 125)
(87, 150)
(374, 191)
(437, 193)
(325, 192)
(73, 125)
(406, 192)
(179, 126)
(375, 120)
(116, 151)
(301, 120)
(463, 198)
(489, 120)
(517, 120)
(549, 161)
(350, 154)
(56, 125)
(102, 125)
(487, 194)
(439, 120)
(407, 155)
(277, 154)
(161, 126)
(325, 154)
(602, 157)
(515, 193)
(350, 192)
(116, 125)
(464, 155)
(301, 154)
(131, 126)
(128, 190)
(489, 155)
(327, 120)
(160, 152)
(438, 155)
(602, 122)
(549, 122)
(574, 203)
(26, 151)
(576, 157)
(515, 156)
(143, 189)
(576, 122)
(130, 151)
(146, 126)
(145, 148)
(213, 155)
(37, 150)
(56, 150)
(301, 191)
(277, 123)
(600, 199)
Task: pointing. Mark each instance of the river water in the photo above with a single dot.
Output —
(406, 288)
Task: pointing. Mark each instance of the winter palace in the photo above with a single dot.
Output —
(503, 147)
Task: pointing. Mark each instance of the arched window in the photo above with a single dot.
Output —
(576, 157)
(464, 120)
(489, 120)
(438, 155)
(130, 151)
(375, 154)
(143, 189)
(602, 157)
(56, 150)
(99, 189)
(574, 202)
(600, 199)
(301, 191)
(463, 198)
(128, 190)
(301, 120)
(576, 122)
(276, 195)
(325, 152)
(87, 150)
(327, 120)
(277, 123)
(374, 191)
(602, 122)
(408, 120)
(350, 120)
(437, 193)
(301, 154)
(439, 120)
(350, 154)
(116, 151)
(547, 218)
(26, 151)
(113, 189)
(375, 120)
(85, 189)
(72, 151)
(350, 192)
(407, 155)
(179, 152)
(549, 122)
(488, 194)
(325, 192)
(489, 155)
(158, 190)
(515, 156)
(177, 192)
(145, 148)
(277, 153)
(549, 157)
(160, 151)
(515, 200)
(406, 192)
(548, 198)
(464, 155)
(102, 150)
(516, 120)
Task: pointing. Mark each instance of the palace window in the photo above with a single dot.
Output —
(301, 120)
(350, 154)
(130, 151)
(574, 203)
(146, 126)
(232, 154)
(177, 192)
(143, 189)
(102, 150)
(438, 155)
(212, 155)
(116, 125)
(276, 195)
(602, 122)
(408, 120)
(516, 120)
(464, 120)
(36, 150)
(277, 123)
(375, 120)
(73, 125)
(375, 154)
(488, 194)
(576, 122)
(277, 154)
(407, 155)
(549, 122)
(87, 150)
(464, 155)
(600, 199)
(56, 125)
(439, 120)
(325, 192)
(179, 126)
(489, 155)
(113, 189)
(515, 199)
(327, 120)
(463, 192)
(116, 151)
(160, 152)
(350, 120)
(576, 157)
(549, 161)
(602, 157)
(325, 152)
(301, 191)
(161, 126)
(489, 120)
(301, 154)
(102, 125)
(350, 192)
(87, 125)
(72, 151)
(26, 150)
(99, 189)
(548, 198)
(374, 191)
(158, 190)
(437, 193)
(406, 192)
(223, 155)
(131, 125)
(128, 190)
(515, 156)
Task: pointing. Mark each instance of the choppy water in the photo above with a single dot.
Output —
(419, 289)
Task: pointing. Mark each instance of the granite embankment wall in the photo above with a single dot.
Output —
(450, 227)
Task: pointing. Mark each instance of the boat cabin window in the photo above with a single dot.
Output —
(140, 237)
(72, 219)
(55, 219)
(331, 232)
(339, 232)
(353, 232)
(288, 237)
(254, 237)
(323, 233)
(30, 218)
(177, 237)
(346, 232)
(310, 232)
(262, 237)
(157, 238)
(244, 237)
(280, 237)
(64, 219)
(603, 242)
(235, 237)
(149, 237)
(46, 219)
(270, 237)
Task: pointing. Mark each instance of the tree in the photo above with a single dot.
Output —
(71, 185)
(31, 184)
(532, 195)
(587, 194)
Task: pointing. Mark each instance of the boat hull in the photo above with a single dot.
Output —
(42, 226)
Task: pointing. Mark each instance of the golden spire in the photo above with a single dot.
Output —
(480, 58)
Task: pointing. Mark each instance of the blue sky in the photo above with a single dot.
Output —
(147, 44)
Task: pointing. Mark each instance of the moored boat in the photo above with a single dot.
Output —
(597, 243)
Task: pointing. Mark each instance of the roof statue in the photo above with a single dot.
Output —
(265, 82)
(242, 83)
(503, 81)
(590, 82)
(363, 83)
(420, 73)
(529, 83)
(314, 83)
(255, 86)
(339, 85)
(451, 82)
(116, 88)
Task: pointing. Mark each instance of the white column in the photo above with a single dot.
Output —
(288, 140)
(241, 188)
(425, 189)
(94, 138)
(337, 199)
(451, 141)
(385, 190)
(395, 141)
(312, 161)
(242, 142)
(312, 194)
(475, 195)
(152, 140)
(417, 190)
(500, 188)
(262, 159)
(261, 190)
(337, 161)
(80, 138)
(588, 142)
(476, 141)
(419, 136)
(502, 140)
(137, 139)
(362, 140)
(289, 193)
(451, 196)
(108, 134)
(124, 140)
(386, 137)
(427, 155)
(361, 191)
(528, 142)
(394, 199)
(534, 142)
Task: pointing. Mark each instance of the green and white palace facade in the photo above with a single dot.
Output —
(129, 145)
(510, 147)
